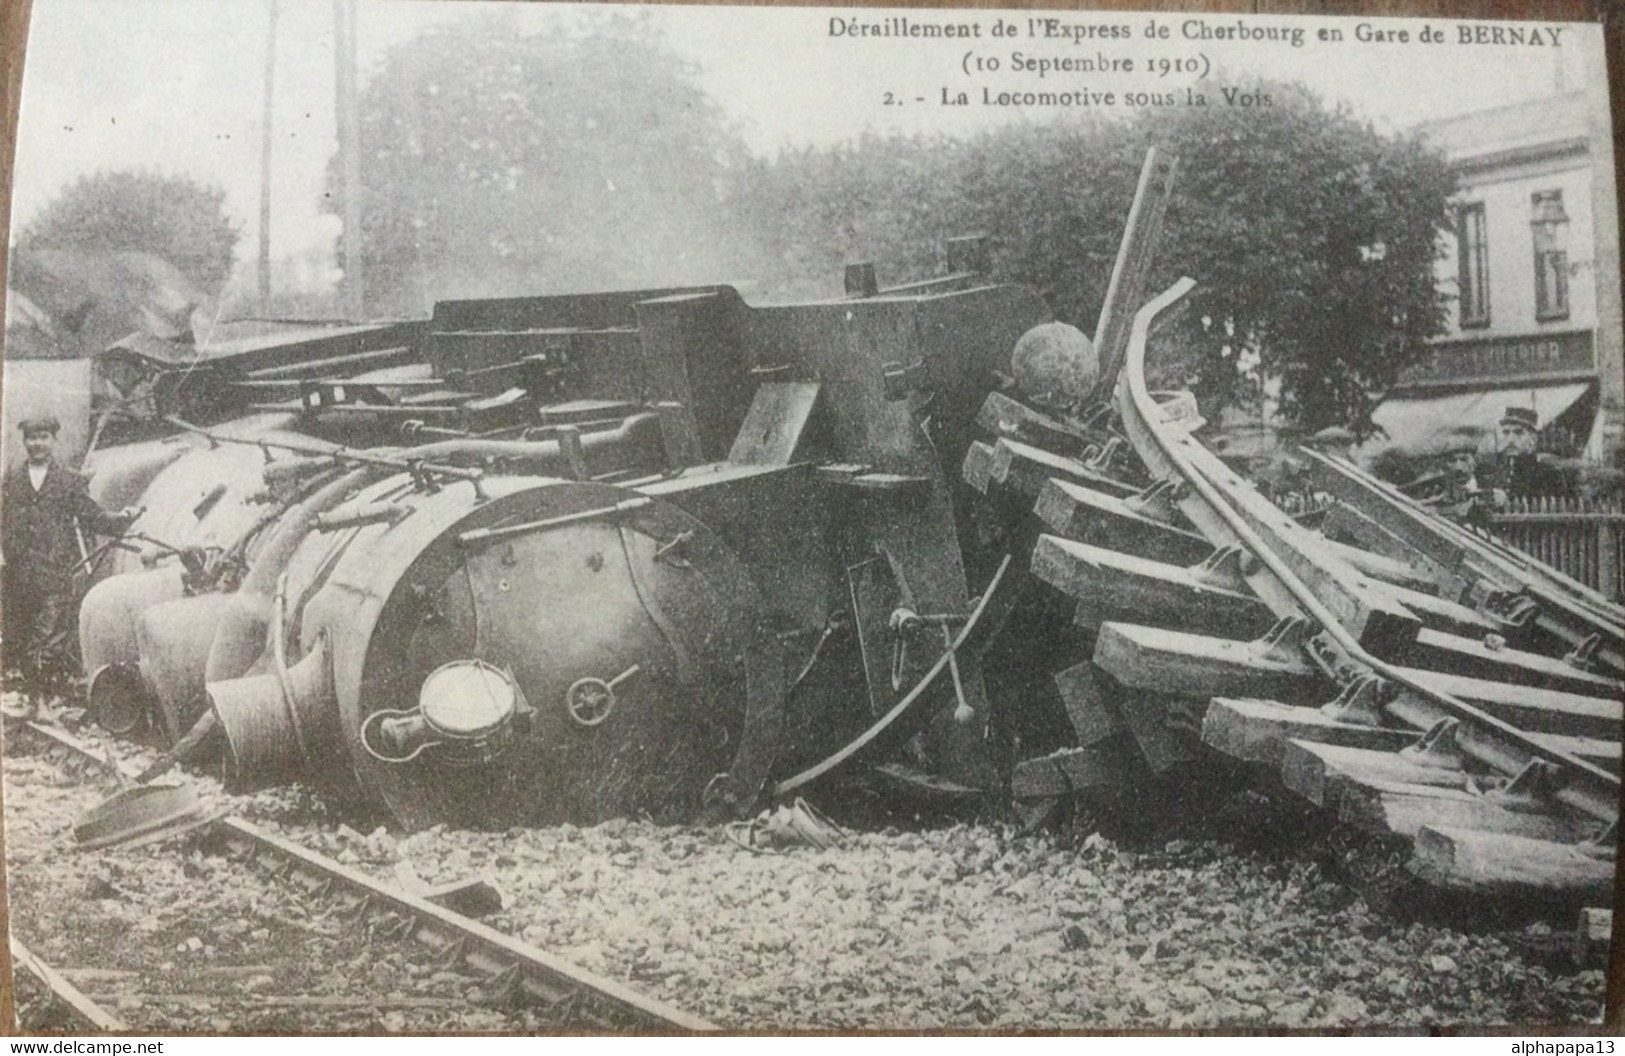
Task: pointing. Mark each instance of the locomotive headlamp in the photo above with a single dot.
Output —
(466, 707)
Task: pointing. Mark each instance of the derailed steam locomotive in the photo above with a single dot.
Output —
(566, 557)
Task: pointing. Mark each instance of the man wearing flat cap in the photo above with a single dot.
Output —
(1519, 472)
(1459, 495)
(46, 518)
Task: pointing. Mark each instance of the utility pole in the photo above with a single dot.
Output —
(266, 118)
(349, 132)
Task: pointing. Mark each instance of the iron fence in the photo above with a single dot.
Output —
(1582, 538)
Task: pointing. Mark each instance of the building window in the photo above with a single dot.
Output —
(1472, 251)
(1550, 225)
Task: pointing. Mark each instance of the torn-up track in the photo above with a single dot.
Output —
(1407, 674)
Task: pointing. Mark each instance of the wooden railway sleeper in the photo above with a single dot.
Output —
(1228, 514)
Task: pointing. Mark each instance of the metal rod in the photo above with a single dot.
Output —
(485, 535)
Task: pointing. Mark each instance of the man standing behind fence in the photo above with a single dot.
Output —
(1519, 472)
(48, 518)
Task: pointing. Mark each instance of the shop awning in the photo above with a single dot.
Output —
(1422, 425)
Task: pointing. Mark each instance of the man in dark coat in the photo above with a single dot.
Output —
(1519, 472)
(48, 519)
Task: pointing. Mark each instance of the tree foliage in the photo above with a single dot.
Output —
(500, 162)
(174, 218)
(1312, 237)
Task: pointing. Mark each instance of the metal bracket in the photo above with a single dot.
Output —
(1099, 456)
(1226, 567)
(1285, 641)
(1438, 748)
(1159, 501)
(1531, 791)
(1584, 655)
(1511, 607)
(1605, 844)
(1360, 703)
(1330, 658)
(1097, 416)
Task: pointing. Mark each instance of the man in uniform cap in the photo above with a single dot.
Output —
(46, 515)
(1519, 472)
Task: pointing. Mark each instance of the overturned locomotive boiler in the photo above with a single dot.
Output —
(565, 558)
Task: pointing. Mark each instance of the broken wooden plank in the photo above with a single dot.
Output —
(1502, 864)
(1147, 717)
(1070, 770)
(1083, 694)
(1089, 516)
(1256, 731)
(1025, 469)
(1195, 665)
(1405, 809)
(1005, 416)
(1491, 660)
(977, 469)
(1319, 772)
(1111, 585)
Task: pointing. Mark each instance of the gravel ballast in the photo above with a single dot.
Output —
(957, 927)
(978, 927)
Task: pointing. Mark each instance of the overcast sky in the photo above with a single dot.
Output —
(176, 85)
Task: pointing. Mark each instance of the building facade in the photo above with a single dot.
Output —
(1531, 270)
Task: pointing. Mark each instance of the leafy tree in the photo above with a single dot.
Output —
(172, 217)
(499, 162)
(1312, 237)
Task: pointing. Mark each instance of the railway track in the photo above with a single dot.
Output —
(1410, 676)
(75, 1008)
(506, 973)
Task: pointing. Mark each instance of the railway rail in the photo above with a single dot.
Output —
(515, 973)
(81, 1012)
(1407, 674)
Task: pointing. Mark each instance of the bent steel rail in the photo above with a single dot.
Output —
(1279, 570)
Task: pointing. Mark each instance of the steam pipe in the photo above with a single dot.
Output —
(535, 456)
(241, 638)
(545, 456)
